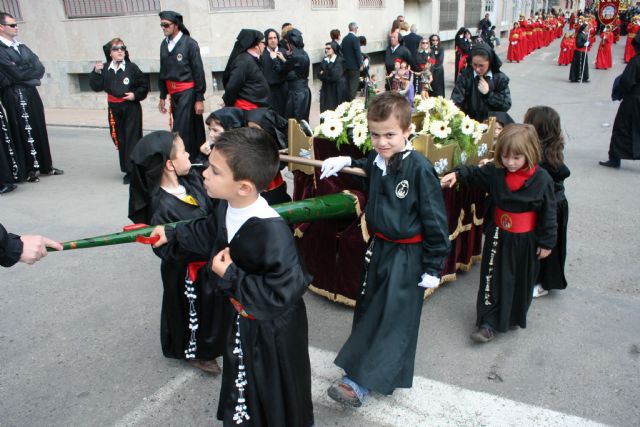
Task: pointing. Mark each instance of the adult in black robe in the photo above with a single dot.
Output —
(273, 69)
(395, 51)
(462, 44)
(625, 135)
(579, 70)
(11, 160)
(123, 115)
(245, 85)
(21, 73)
(297, 68)
(506, 287)
(467, 94)
(193, 316)
(182, 66)
(331, 74)
(268, 280)
(436, 56)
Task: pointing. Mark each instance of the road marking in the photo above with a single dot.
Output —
(427, 403)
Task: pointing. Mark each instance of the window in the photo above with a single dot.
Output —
(371, 4)
(489, 6)
(472, 13)
(448, 15)
(94, 8)
(12, 7)
(324, 4)
(239, 5)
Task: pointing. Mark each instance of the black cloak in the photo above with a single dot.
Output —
(229, 117)
(246, 38)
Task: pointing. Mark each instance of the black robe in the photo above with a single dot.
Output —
(463, 47)
(625, 135)
(437, 70)
(11, 159)
(380, 352)
(124, 118)
(333, 91)
(506, 285)
(580, 60)
(552, 267)
(275, 74)
(20, 75)
(10, 248)
(246, 81)
(211, 310)
(268, 279)
(183, 64)
(476, 105)
(299, 95)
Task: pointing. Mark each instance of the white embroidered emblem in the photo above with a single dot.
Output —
(402, 189)
(179, 57)
(126, 80)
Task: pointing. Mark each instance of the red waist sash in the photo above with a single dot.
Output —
(413, 239)
(581, 49)
(515, 222)
(277, 182)
(175, 87)
(240, 309)
(111, 98)
(243, 104)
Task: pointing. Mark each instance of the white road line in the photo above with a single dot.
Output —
(427, 403)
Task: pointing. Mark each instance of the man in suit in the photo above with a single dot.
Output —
(352, 60)
(412, 41)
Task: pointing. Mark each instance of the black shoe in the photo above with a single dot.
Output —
(33, 176)
(7, 188)
(55, 171)
(126, 179)
(610, 164)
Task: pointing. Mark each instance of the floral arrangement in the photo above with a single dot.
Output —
(447, 124)
(345, 125)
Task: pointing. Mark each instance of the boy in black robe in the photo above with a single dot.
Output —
(164, 190)
(267, 375)
(405, 213)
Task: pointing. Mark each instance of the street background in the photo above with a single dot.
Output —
(79, 331)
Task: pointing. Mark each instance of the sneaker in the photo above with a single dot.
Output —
(341, 392)
(539, 291)
(483, 335)
(209, 366)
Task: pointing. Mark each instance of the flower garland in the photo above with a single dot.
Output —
(345, 125)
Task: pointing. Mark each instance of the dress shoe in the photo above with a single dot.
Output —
(33, 176)
(126, 179)
(55, 171)
(7, 188)
(483, 335)
(610, 164)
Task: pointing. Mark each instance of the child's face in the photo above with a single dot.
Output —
(181, 162)
(513, 162)
(388, 137)
(397, 66)
(215, 129)
(218, 177)
(497, 129)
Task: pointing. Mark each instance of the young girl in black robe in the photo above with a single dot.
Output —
(546, 120)
(266, 379)
(164, 190)
(521, 231)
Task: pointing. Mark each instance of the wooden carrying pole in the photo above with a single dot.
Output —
(318, 164)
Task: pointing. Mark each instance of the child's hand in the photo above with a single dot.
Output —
(484, 162)
(449, 180)
(543, 253)
(333, 165)
(205, 148)
(221, 262)
(159, 231)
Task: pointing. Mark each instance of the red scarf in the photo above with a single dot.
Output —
(515, 180)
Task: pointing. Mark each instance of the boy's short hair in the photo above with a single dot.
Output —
(387, 104)
(518, 139)
(172, 154)
(251, 155)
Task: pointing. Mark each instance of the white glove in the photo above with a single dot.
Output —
(333, 165)
(429, 281)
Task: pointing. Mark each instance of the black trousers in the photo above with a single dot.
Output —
(125, 123)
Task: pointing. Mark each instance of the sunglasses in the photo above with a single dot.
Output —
(10, 25)
(165, 25)
(120, 47)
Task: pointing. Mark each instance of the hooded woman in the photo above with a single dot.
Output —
(482, 88)
(333, 91)
(245, 85)
(125, 86)
(297, 67)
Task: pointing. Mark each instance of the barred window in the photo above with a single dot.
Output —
(324, 4)
(472, 14)
(231, 5)
(95, 8)
(371, 4)
(489, 6)
(448, 15)
(12, 7)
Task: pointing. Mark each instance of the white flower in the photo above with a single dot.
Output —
(328, 114)
(467, 126)
(341, 109)
(317, 131)
(482, 150)
(482, 127)
(360, 118)
(357, 106)
(441, 166)
(439, 129)
(425, 105)
(331, 128)
(451, 106)
(360, 133)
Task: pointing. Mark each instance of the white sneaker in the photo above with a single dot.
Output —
(539, 291)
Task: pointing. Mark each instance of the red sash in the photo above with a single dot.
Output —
(243, 104)
(176, 87)
(111, 98)
(277, 182)
(581, 49)
(240, 309)
(413, 239)
(521, 222)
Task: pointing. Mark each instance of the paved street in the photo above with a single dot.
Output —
(79, 331)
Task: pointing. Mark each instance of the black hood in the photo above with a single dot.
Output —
(246, 38)
(174, 17)
(495, 62)
(229, 117)
(294, 37)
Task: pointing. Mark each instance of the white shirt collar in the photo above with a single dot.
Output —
(171, 43)
(379, 161)
(488, 74)
(393, 49)
(331, 59)
(236, 217)
(9, 43)
(115, 68)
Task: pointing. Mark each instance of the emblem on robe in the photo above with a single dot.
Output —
(505, 221)
(402, 189)
(126, 80)
(179, 57)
